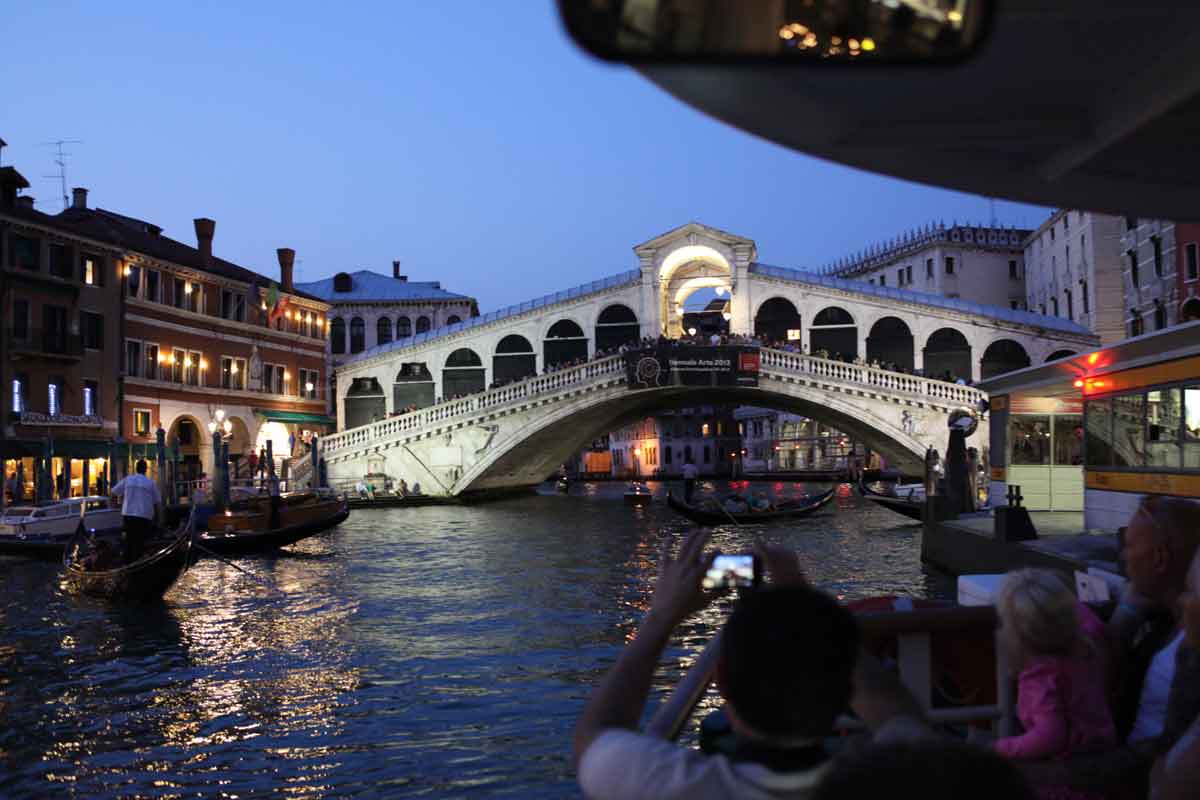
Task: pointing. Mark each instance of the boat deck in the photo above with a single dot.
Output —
(967, 545)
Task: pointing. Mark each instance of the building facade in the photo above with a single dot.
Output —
(1073, 271)
(1187, 270)
(976, 263)
(1149, 275)
(659, 446)
(60, 296)
(777, 441)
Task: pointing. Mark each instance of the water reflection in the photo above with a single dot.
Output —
(432, 651)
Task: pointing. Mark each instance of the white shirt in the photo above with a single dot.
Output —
(1152, 707)
(139, 496)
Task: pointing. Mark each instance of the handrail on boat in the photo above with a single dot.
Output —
(912, 630)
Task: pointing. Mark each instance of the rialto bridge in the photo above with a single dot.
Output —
(464, 436)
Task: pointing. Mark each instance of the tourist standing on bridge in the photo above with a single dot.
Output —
(689, 480)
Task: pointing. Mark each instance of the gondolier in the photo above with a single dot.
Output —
(140, 500)
(689, 480)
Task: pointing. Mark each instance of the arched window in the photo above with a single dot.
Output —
(616, 325)
(1002, 356)
(947, 355)
(453, 319)
(777, 320)
(891, 344)
(514, 359)
(383, 331)
(337, 335)
(358, 335)
(403, 327)
(564, 343)
(833, 332)
(463, 373)
(422, 324)
(1057, 354)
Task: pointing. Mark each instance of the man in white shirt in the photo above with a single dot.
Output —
(789, 664)
(140, 500)
(689, 480)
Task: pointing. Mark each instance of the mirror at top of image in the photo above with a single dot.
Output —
(808, 30)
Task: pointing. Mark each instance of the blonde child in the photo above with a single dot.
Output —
(1053, 641)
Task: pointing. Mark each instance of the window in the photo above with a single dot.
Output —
(92, 327)
(1133, 267)
(1068, 256)
(383, 330)
(60, 260)
(1052, 233)
(133, 280)
(929, 268)
(1013, 304)
(900, 277)
(54, 392)
(187, 295)
(1160, 315)
(358, 335)
(54, 329)
(233, 305)
(310, 380)
(1042, 308)
(1083, 296)
(453, 319)
(422, 324)
(1054, 305)
(133, 358)
(176, 361)
(1082, 244)
(233, 372)
(274, 377)
(1191, 427)
(704, 429)
(882, 279)
(667, 456)
(949, 265)
(337, 335)
(908, 274)
(141, 422)
(1158, 259)
(19, 382)
(191, 372)
(91, 398)
(151, 370)
(25, 252)
(1164, 415)
(403, 328)
(707, 455)
(1012, 270)
(1130, 223)
(306, 324)
(1135, 324)
(151, 286)
(1066, 222)
(1070, 305)
(90, 270)
(20, 323)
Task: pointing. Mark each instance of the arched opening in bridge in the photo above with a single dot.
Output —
(564, 343)
(1057, 354)
(413, 387)
(616, 325)
(358, 335)
(684, 271)
(463, 374)
(777, 320)
(947, 355)
(364, 402)
(709, 320)
(403, 327)
(833, 331)
(453, 319)
(383, 331)
(337, 335)
(514, 359)
(891, 344)
(422, 324)
(1190, 310)
(1002, 356)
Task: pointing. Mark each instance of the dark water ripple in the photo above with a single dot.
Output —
(428, 652)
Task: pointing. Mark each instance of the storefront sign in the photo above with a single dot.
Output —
(688, 365)
(1047, 405)
(38, 418)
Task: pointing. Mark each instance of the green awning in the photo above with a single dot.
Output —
(295, 416)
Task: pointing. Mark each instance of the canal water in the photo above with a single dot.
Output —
(428, 652)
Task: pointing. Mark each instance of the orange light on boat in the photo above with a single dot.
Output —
(1079, 384)
(1093, 358)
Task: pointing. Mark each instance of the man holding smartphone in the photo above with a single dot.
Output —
(789, 665)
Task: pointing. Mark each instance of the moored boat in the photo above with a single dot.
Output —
(562, 484)
(87, 571)
(43, 531)
(790, 509)
(247, 527)
(638, 494)
(908, 506)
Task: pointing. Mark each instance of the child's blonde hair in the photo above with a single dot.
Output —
(1040, 609)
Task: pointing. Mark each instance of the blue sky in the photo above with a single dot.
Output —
(470, 140)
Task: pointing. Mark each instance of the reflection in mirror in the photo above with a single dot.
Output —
(838, 30)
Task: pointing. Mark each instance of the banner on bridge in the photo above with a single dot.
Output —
(692, 365)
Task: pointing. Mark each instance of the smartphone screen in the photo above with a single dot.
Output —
(730, 572)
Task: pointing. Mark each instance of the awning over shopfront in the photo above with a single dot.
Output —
(62, 448)
(297, 417)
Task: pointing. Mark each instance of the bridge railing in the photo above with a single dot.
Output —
(780, 360)
(870, 376)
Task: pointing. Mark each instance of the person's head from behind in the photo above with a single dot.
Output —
(786, 665)
(1037, 614)
(931, 769)
(140, 466)
(1159, 544)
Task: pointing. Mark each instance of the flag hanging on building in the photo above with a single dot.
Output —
(276, 303)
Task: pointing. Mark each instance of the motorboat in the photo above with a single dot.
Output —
(908, 500)
(246, 528)
(638, 494)
(43, 531)
(716, 515)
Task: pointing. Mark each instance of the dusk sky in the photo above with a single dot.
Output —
(470, 140)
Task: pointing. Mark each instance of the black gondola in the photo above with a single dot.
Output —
(244, 542)
(146, 579)
(909, 508)
(793, 508)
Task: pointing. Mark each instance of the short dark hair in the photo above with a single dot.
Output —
(140, 466)
(787, 660)
(932, 769)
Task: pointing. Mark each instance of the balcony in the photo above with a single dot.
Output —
(38, 343)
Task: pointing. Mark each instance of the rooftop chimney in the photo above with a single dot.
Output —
(25, 201)
(287, 257)
(205, 228)
(395, 269)
(79, 197)
(11, 182)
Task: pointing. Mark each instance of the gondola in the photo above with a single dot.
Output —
(144, 580)
(247, 531)
(909, 508)
(638, 494)
(790, 509)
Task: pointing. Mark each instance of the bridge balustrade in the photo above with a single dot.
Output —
(772, 360)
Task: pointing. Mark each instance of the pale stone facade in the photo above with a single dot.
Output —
(1149, 276)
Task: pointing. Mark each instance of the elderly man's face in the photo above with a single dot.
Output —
(1144, 555)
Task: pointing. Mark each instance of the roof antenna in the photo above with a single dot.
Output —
(60, 158)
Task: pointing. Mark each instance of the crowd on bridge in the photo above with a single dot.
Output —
(1108, 709)
(891, 366)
